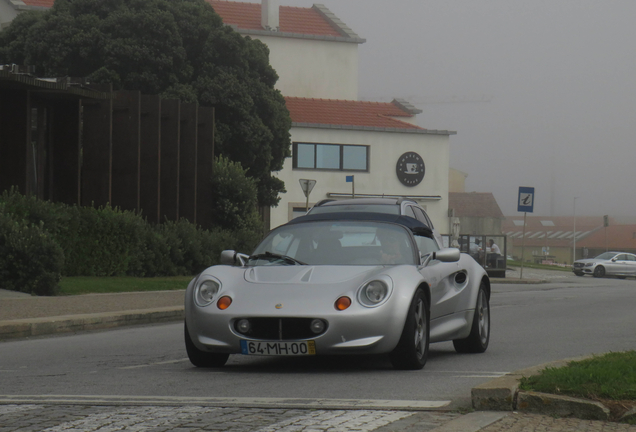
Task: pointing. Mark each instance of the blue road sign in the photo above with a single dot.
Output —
(525, 203)
(349, 179)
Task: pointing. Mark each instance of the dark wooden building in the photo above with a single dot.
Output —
(89, 145)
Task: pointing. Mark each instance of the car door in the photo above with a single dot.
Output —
(630, 265)
(616, 265)
(444, 294)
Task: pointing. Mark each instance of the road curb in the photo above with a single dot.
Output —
(503, 394)
(22, 328)
(517, 281)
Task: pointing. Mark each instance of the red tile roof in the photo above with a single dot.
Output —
(39, 3)
(553, 231)
(474, 204)
(347, 113)
(619, 238)
(248, 16)
(552, 223)
(291, 19)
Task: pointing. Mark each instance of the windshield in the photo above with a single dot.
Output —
(372, 208)
(336, 243)
(606, 256)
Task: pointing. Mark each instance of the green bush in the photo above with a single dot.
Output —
(30, 259)
(234, 198)
(107, 242)
(87, 241)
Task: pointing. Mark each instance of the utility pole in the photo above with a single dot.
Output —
(574, 231)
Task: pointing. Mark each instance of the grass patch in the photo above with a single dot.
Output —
(527, 265)
(611, 376)
(609, 379)
(88, 285)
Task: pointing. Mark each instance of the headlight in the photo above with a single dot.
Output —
(589, 264)
(374, 292)
(205, 291)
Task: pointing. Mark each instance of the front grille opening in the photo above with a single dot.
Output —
(279, 328)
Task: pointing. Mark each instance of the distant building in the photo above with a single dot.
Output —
(620, 238)
(551, 239)
(456, 180)
(478, 212)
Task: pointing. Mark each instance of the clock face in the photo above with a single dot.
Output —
(410, 169)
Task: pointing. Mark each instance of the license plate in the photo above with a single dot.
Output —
(278, 348)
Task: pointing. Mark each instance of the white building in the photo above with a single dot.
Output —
(334, 135)
(9, 9)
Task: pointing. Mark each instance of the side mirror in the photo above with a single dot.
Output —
(228, 257)
(447, 255)
(443, 255)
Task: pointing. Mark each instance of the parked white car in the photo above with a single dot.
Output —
(619, 264)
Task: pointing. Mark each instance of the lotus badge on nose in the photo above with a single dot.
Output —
(279, 306)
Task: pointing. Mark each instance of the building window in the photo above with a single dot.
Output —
(331, 156)
(298, 211)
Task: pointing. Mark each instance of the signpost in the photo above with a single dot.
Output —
(351, 179)
(307, 185)
(606, 224)
(525, 204)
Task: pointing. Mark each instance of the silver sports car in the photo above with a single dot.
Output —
(339, 283)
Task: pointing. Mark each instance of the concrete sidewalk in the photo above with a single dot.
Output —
(23, 315)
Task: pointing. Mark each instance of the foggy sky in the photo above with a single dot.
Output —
(542, 93)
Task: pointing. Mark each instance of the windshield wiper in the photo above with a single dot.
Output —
(285, 258)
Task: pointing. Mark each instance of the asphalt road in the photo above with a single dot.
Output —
(531, 324)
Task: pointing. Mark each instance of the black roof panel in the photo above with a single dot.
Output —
(407, 221)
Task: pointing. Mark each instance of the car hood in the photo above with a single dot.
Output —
(302, 289)
(589, 260)
(309, 274)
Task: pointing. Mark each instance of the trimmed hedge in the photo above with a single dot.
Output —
(30, 260)
(87, 241)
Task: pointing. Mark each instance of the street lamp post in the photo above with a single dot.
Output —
(574, 231)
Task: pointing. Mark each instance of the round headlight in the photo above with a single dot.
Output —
(374, 293)
(205, 291)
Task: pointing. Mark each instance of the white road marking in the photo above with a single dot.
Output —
(471, 372)
(300, 403)
(478, 376)
(154, 364)
(138, 418)
(359, 421)
(8, 409)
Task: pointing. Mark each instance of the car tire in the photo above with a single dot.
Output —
(479, 337)
(201, 358)
(599, 271)
(412, 349)
(578, 273)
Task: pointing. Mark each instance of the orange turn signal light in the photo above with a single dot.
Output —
(224, 302)
(343, 303)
